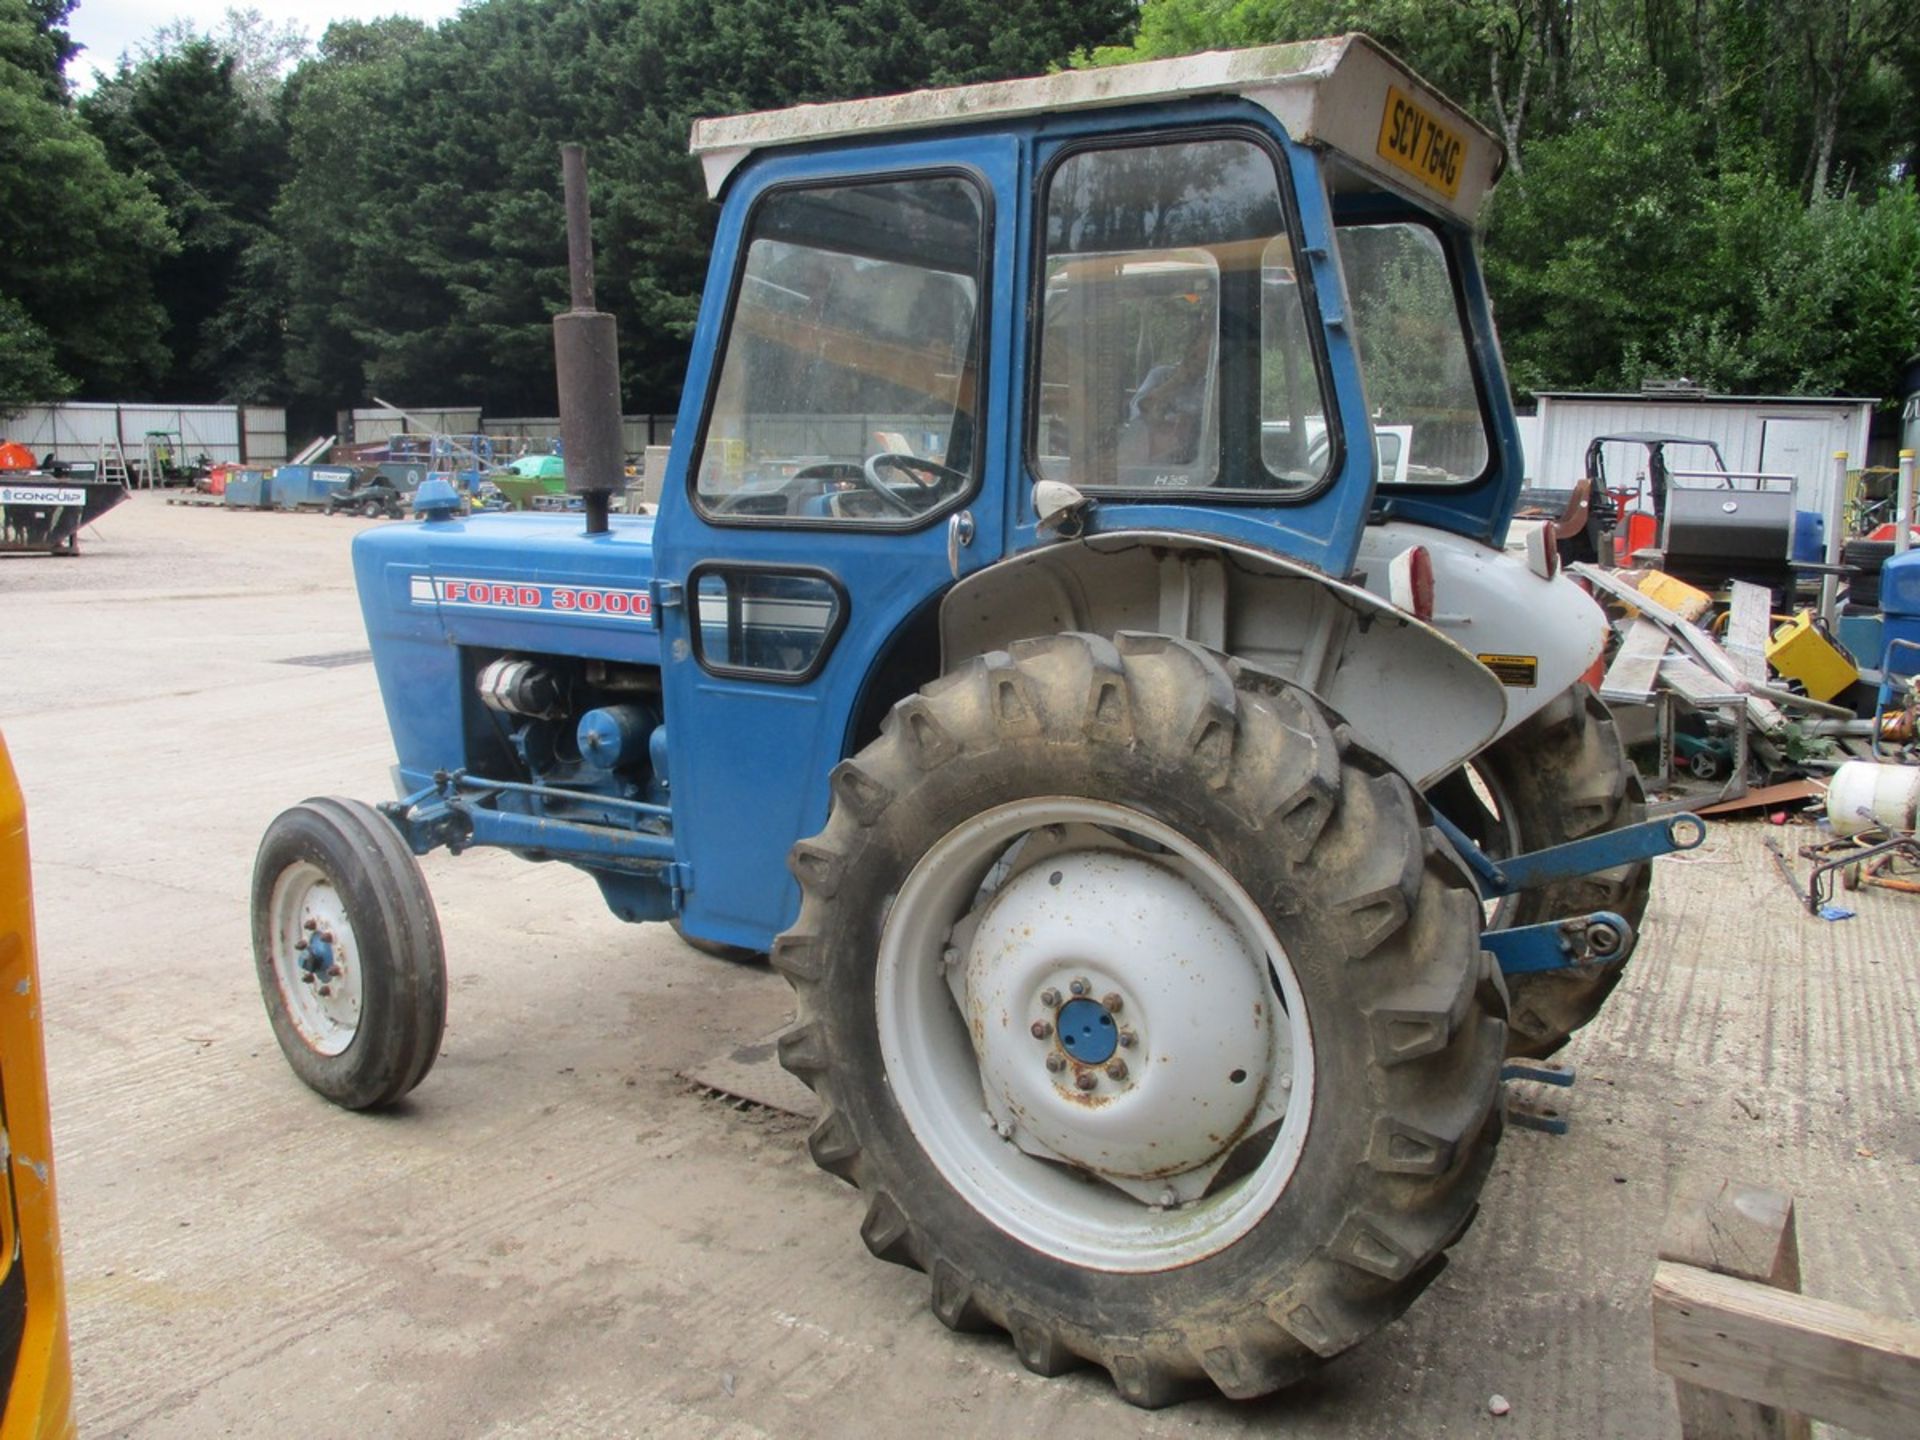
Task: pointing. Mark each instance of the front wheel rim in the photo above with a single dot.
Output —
(946, 1078)
(315, 957)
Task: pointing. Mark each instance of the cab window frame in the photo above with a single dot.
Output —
(982, 278)
(1276, 493)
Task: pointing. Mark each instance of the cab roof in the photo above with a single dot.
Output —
(1346, 94)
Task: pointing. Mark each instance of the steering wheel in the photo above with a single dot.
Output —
(943, 476)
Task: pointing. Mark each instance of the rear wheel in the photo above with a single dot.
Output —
(1146, 1012)
(1561, 775)
(347, 948)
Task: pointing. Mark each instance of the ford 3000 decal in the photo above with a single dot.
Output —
(516, 595)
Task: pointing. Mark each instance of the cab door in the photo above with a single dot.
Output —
(841, 453)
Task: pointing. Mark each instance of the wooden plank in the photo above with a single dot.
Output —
(1747, 1232)
(1631, 675)
(1766, 797)
(1749, 625)
(1733, 1228)
(1821, 1359)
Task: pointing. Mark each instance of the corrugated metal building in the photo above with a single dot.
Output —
(1788, 435)
(234, 434)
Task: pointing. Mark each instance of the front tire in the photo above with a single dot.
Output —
(1200, 853)
(347, 949)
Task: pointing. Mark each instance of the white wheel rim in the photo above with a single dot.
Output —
(313, 949)
(934, 1069)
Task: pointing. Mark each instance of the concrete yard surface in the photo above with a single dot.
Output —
(557, 1237)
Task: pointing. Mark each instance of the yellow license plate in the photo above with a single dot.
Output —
(1411, 139)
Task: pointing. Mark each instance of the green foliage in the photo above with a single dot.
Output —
(426, 243)
(1721, 189)
(81, 237)
(29, 374)
(179, 119)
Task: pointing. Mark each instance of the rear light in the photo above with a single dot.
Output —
(1538, 549)
(1410, 582)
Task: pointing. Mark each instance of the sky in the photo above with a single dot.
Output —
(109, 27)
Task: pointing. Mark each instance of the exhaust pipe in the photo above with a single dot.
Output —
(586, 356)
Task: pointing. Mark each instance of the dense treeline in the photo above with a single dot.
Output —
(1718, 188)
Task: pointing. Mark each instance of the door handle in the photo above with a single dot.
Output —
(959, 536)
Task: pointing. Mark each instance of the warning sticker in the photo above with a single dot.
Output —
(1520, 671)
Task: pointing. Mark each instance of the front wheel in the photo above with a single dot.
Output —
(347, 948)
(1147, 1013)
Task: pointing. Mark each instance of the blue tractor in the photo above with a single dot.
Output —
(1083, 637)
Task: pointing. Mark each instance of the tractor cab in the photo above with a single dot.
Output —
(1233, 293)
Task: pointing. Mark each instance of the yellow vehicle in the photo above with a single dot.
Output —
(36, 1378)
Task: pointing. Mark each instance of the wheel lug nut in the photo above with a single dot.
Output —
(299, 944)
(1085, 1080)
(312, 924)
(1050, 997)
(326, 990)
(1079, 987)
(1056, 1063)
(1041, 1029)
(1127, 1039)
(1112, 1002)
(1116, 1069)
(306, 978)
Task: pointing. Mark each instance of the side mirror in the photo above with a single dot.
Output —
(1060, 508)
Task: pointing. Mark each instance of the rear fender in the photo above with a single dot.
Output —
(1539, 633)
(1410, 693)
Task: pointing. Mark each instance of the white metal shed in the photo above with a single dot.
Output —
(1780, 434)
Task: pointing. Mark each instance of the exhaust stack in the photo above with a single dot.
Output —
(586, 355)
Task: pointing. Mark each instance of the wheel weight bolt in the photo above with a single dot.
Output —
(1116, 1069)
(1079, 987)
(1127, 1039)
(1085, 1080)
(1056, 1063)
(1041, 1029)
(1050, 998)
(1112, 1002)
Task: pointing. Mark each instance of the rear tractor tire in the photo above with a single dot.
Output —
(347, 948)
(1560, 775)
(1147, 1013)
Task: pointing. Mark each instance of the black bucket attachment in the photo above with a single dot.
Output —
(45, 512)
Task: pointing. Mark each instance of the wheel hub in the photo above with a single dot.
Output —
(1122, 1022)
(312, 947)
(1088, 1032)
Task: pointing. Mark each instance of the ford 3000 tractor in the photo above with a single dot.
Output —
(1084, 637)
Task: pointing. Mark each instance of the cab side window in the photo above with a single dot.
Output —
(1175, 351)
(849, 391)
